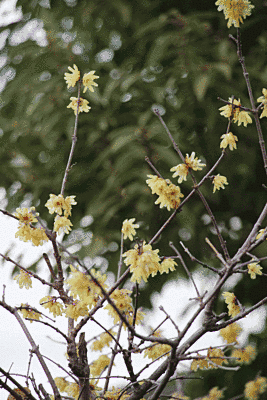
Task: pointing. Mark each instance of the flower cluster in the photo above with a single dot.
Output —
(57, 204)
(88, 82)
(123, 301)
(230, 332)
(232, 304)
(181, 170)
(28, 312)
(169, 194)
(128, 228)
(214, 394)
(104, 340)
(98, 366)
(245, 355)
(23, 279)
(254, 388)
(228, 140)
(71, 388)
(214, 358)
(263, 99)
(234, 112)
(254, 269)
(157, 349)
(234, 10)
(144, 262)
(26, 231)
(50, 302)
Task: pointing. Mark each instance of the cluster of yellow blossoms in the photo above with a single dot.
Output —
(214, 358)
(57, 204)
(27, 232)
(232, 304)
(254, 388)
(88, 82)
(234, 10)
(157, 349)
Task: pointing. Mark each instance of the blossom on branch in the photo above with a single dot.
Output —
(62, 224)
(128, 228)
(97, 367)
(263, 99)
(245, 355)
(167, 265)
(23, 279)
(228, 140)
(254, 269)
(143, 262)
(83, 105)
(238, 116)
(214, 394)
(232, 304)
(230, 332)
(169, 194)
(104, 340)
(234, 10)
(157, 349)
(28, 312)
(219, 181)
(88, 81)
(53, 306)
(72, 78)
(254, 388)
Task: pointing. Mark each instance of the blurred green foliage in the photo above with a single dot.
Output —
(174, 55)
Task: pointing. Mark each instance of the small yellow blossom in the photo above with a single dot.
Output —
(254, 388)
(235, 10)
(53, 306)
(27, 233)
(73, 390)
(83, 286)
(72, 78)
(61, 384)
(180, 170)
(128, 228)
(193, 162)
(104, 340)
(76, 309)
(157, 349)
(115, 394)
(254, 269)
(167, 265)
(260, 233)
(25, 216)
(169, 194)
(245, 355)
(230, 332)
(214, 358)
(235, 113)
(28, 312)
(228, 140)
(83, 105)
(232, 304)
(219, 181)
(62, 224)
(56, 204)
(23, 279)
(97, 367)
(143, 262)
(88, 81)
(214, 394)
(263, 99)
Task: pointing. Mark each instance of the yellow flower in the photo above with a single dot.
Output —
(62, 224)
(61, 384)
(56, 204)
(254, 388)
(88, 81)
(169, 194)
(23, 279)
(76, 310)
(104, 340)
(36, 235)
(228, 140)
(99, 365)
(25, 216)
(52, 305)
(83, 105)
(115, 394)
(181, 170)
(73, 390)
(143, 262)
(72, 78)
(167, 265)
(128, 228)
(214, 394)
(254, 269)
(219, 181)
(193, 162)
(230, 332)
(263, 99)
(156, 349)
(28, 312)
(245, 355)
(235, 10)
(235, 113)
(232, 304)
(214, 357)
